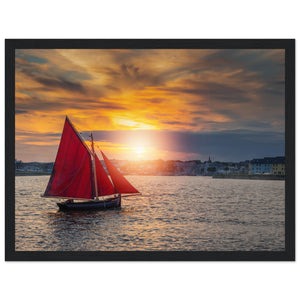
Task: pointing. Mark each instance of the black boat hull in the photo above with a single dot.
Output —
(90, 205)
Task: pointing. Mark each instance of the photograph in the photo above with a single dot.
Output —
(150, 150)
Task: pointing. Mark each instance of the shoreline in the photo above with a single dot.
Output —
(32, 173)
(251, 177)
(216, 176)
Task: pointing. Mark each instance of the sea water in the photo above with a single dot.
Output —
(174, 213)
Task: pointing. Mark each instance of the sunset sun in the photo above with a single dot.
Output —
(139, 151)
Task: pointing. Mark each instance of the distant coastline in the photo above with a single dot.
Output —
(216, 169)
(243, 176)
(216, 176)
(29, 173)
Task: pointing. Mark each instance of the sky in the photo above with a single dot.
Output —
(170, 104)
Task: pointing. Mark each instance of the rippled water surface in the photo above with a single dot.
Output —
(174, 213)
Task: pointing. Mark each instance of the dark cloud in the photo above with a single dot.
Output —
(230, 145)
(20, 111)
(60, 83)
(30, 104)
(32, 58)
(154, 100)
(263, 67)
(211, 91)
(53, 79)
(179, 123)
(130, 76)
(75, 75)
(113, 88)
(37, 135)
(265, 62)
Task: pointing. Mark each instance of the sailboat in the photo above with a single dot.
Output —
(79, 179)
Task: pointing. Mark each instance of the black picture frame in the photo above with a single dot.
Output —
(287, 44)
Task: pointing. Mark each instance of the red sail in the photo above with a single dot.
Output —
(104, 184)
(120, 182)
(72, 172)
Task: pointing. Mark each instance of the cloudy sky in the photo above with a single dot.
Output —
(152, 104)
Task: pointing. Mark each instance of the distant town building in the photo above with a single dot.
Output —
(18, 164)
(278, 166)
(267, 165)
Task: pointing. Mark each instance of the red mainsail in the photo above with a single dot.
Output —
(120, 182)
(104, 184)
(72, 172)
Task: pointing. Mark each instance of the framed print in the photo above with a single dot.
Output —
(150, 150)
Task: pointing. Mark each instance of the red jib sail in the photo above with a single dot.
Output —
(120, 182)
(104, 184)
(72, 172)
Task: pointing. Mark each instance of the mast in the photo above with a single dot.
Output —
(94, 167)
